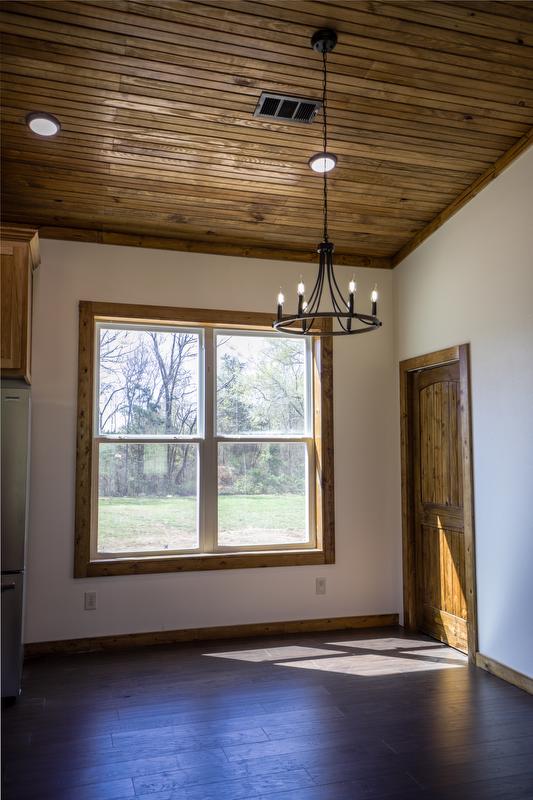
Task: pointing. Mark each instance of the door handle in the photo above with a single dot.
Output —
(7, 586)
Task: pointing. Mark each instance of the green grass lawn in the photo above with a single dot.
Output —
(159, 523)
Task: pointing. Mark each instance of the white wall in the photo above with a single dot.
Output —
(366, 577)
(472, 281)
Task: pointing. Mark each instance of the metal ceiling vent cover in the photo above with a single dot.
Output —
(287, 109)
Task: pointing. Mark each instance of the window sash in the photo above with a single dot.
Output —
(157, 328)
(310, 520)
(103, 555)
(308, 381)
(207, 441)
(207, 501)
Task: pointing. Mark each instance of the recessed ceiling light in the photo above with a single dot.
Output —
(323, 162)
(43, 124)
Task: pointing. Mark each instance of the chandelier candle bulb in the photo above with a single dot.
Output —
(301, 292)
(374, 299)
(352, 287)
(281, 300)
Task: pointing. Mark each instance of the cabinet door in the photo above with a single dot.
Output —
(16, 311)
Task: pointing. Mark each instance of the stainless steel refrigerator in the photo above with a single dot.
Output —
(15, 436)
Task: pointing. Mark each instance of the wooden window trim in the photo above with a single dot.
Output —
(324, 553)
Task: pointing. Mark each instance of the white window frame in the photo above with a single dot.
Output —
(207, 441)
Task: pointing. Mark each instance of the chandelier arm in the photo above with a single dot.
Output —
(315, 305)
(340, 313)
(336, 308)
(337, 287)
(314, 293)
(338, 300)
(314, 299)
(321, 288)
(334, 300)
(340, 319)
(316, 287)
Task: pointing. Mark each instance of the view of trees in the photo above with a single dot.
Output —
(149, 386)
(260, 385)
(148, 382)
(260, 390)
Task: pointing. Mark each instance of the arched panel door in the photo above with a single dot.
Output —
(438, 505)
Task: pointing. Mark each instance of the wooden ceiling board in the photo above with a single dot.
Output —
(428, 101)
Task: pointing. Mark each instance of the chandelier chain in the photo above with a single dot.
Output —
(325, 137)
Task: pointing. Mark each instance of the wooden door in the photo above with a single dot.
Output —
(439, 540)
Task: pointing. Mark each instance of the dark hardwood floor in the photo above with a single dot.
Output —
(372, 714)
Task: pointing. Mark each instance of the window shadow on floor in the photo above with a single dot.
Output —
(359, 657)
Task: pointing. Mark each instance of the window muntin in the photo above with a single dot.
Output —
(167, 389)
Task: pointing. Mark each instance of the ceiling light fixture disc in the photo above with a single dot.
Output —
(324, 40)
(43, 124)
(323, 162)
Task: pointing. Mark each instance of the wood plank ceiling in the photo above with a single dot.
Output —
(159, 140)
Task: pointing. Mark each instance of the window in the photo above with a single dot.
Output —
(200, 445)
(148, 420)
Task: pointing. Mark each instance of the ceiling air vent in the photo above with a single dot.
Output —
(287, 109)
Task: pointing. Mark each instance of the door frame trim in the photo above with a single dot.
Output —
(461, 354)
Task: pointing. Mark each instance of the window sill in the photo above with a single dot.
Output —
(185, 563)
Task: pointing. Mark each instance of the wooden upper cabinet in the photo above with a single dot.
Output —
(19, 249)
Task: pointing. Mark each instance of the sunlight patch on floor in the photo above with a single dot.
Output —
(272, 653)
(370, 665)
(446, 653)
(386, 644)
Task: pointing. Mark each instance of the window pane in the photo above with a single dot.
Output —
(260, 385)
(147, 497)
(262, 493)
(148, 381)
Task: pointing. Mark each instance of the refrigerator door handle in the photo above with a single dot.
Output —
(7, 586)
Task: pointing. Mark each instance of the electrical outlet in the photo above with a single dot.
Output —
(320, 586)
(90, 601)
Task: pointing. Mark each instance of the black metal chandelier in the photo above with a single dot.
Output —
(342, 311)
